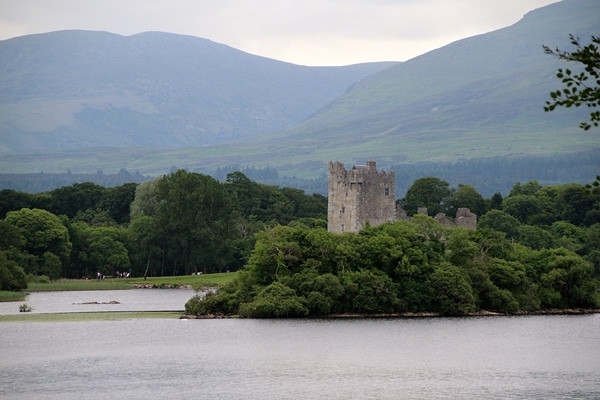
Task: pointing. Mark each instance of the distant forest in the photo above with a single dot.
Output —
(487, 175)
(43, 181)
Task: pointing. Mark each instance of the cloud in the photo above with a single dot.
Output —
(312, 32)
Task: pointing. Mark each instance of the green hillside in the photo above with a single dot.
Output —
(477, 98)
(72, 90)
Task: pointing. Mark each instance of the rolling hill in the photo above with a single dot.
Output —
(478, 97)
(475, 99)
(72, 90)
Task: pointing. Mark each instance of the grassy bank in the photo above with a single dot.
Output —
(12, 296)
(78, 284)
(88, 316)
(195, 281)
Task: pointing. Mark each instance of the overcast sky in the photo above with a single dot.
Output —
(308, 32)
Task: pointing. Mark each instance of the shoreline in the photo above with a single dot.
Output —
(408, 315)
(88, 316)
(121, 315)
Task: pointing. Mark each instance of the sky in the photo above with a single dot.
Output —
(306, 32)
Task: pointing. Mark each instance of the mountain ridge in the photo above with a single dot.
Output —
(94, 89)
(476, 98)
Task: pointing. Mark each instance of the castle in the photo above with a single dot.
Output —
(364, 195)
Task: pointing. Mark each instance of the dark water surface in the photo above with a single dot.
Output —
(537, 357)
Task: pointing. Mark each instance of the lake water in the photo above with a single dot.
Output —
(535, 357)
(107, 300)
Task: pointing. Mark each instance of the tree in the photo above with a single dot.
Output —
(369, 292)
(500, 221)
(496, 201)
(44, 233)
(144, 243)
(535, 237)
(145, 201)
(428, 192)
(68, 200)
(580, 88)
(466, 196)
(275, 301)
(12, 200)
(451, 289)
(528, 188)
(117, 201)
(522, 207)
(194, 214)
(12, 277)
(107, 253)
(572, 203)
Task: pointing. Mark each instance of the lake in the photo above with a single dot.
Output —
(107, 300)
(525, 357)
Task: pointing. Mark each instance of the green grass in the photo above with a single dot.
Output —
(90, 316)
(78, 284)
(12, 296)
(195, 281)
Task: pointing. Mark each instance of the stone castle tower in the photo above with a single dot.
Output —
(359, 196)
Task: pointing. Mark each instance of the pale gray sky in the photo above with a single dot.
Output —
(308, 32)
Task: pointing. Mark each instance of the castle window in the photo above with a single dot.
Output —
(387, 191)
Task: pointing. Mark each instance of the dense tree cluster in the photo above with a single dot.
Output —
(535, 249)
(177, 224)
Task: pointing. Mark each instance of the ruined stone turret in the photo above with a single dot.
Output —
(359, 196)
(362, 195)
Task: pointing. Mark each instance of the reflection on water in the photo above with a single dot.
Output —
(108, 300)
(542, 357)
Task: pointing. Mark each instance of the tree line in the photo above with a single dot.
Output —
(180, 223)
(47, 181)
(488, 175)
(538, 248)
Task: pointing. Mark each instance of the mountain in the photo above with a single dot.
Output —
(72, 90)
(476, 99)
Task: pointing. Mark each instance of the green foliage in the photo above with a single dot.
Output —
(46, 246)
(451, 290)
(466, 196)
(582, 87)
(522, 207)
(500, 221)
(274, 301)
(12, 277)
(535, 237)
(432, 193)
(416, 266)
(369, 292)
(6, 296)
